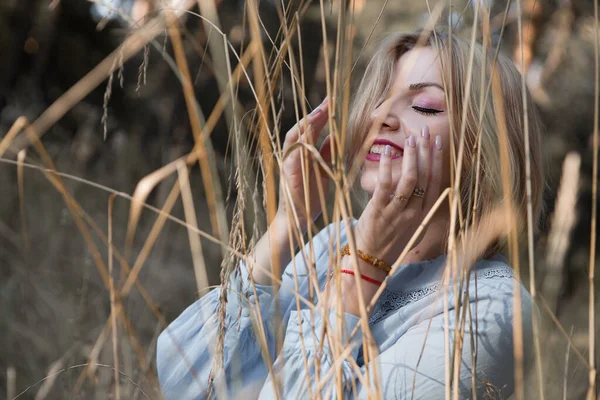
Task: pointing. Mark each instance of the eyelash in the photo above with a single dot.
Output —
(426, 111)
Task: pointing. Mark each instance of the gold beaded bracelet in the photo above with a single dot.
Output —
(382, 265)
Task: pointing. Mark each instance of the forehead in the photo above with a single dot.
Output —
(418, 65)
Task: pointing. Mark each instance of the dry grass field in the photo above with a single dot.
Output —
(137, 165)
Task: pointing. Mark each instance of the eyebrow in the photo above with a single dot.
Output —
(423, 85)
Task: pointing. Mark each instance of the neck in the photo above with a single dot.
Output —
(433, 243)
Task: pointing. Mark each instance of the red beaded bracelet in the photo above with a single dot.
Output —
(366, 278)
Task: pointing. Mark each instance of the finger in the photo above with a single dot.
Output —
(408, 180)
(381, 196)
(317, 120)
(325, 152)
(435, 182)
(423, 162)
(314, 123)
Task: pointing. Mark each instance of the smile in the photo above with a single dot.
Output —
(378, 147)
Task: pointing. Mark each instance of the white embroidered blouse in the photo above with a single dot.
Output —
(407, 325)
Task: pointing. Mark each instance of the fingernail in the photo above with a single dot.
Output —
(425, 132)
(438, 142)
(315, 111)
(411, 141)
(388, 150)
(319, 108)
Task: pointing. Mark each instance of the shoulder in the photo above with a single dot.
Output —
(496, 276)
(501, 296)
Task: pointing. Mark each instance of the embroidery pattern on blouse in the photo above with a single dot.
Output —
(392, 301)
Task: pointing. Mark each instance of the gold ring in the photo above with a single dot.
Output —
(419, 192)
(399, 198)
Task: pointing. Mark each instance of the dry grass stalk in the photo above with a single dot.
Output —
(219, 54)
(526, 46)
(513, 235)
(137, 347)
(565, 375)
(486, 40)
(113, 320)
(14, 130)
(190, 100)
(191, 219)
(90, 368)
(592, 304)
(53, 373)
(583, 360)
(140, 194)
(298, 90)
(11, 382)
(457, 351)
(22, 208)
(107, 94)
(563, 221)
(151, 240)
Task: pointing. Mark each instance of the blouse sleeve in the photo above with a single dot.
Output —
(306, 351)
(186, 348)
(414, 368)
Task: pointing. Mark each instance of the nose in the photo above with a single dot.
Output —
(389, 121)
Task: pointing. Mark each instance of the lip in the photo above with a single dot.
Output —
(377, 157)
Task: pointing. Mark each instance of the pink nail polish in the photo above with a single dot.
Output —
(411, 141)
(438, 142)
(425, 132)
(315, 111)
(388, 150)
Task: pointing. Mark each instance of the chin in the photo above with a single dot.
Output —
(368, 181)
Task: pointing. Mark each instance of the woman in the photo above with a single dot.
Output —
(409, 112)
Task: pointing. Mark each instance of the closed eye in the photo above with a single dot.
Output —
(426, 111)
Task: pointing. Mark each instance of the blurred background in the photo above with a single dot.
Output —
(54, 305)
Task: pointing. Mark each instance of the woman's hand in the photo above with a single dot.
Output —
(292, 176)
(274, 245)
(393, 214)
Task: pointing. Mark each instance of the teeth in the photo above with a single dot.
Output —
(380, 148)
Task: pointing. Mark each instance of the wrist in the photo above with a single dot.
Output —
(363, 267)
(351, 284)
(273, 247)
(279, 228)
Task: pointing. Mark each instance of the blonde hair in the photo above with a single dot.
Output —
(455, 54)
